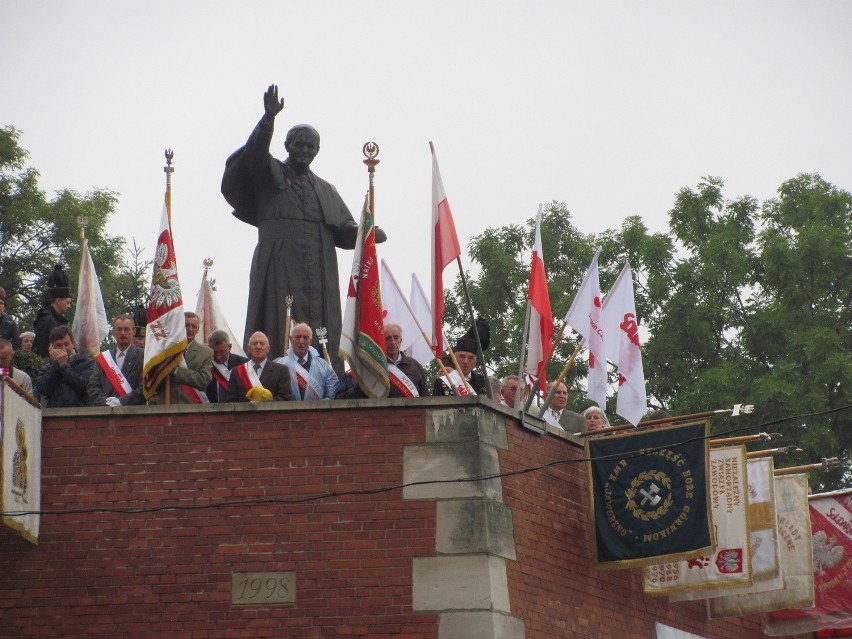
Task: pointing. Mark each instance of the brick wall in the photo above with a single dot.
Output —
(554, 584)
(367, 563)
(168, 573)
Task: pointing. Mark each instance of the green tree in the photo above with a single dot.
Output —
(37, 233)
(740, 303)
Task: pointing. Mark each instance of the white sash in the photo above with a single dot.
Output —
(222, 368)
(404, 380)
(456, 384)
(313, 389)
(113, 373)
(195, 396)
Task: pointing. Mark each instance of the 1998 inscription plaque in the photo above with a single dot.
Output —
(263, 588)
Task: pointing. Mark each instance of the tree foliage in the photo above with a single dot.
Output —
(738, 303)
(37, 233)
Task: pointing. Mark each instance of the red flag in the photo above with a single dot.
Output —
(831, 529)
(445, 249)
(165, 335)
(211, 318)
(541, 317)
(362, 341)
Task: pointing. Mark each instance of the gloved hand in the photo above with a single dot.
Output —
(113, 402)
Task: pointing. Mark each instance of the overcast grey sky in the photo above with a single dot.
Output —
(611, 107)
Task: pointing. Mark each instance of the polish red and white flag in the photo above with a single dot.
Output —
(540, 340)
(445, 249)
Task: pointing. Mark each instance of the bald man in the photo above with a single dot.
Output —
(259, 371)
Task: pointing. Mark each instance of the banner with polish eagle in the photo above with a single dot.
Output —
(165, 335)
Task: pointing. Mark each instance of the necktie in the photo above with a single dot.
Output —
(257, 368)
(302, 361)
(120, 360)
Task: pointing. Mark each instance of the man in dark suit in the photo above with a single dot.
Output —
(223, 362)
(259, 372)
(117, 375)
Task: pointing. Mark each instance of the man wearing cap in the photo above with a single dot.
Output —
(52, 314)
(465, 351)
(8, 328)
(8, 370)
(557, 415)
(311, 377)
(117, 375)
(224, 361)
(259, 379)
(64, 379)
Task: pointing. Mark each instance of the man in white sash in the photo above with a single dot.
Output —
(465, 351)
(224, 361)
(407, 377)
(117, 375)
(311, 377)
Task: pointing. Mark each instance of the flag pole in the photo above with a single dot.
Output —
(168, 170)
(371, 152)
(524, 339)
(771, 452)
(475, 329)
(735, 411)
(428, 341)
(825, 464)
(288, 301)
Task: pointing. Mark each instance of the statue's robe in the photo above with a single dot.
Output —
(300, 220)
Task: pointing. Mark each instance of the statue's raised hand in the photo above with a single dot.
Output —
(271, 104)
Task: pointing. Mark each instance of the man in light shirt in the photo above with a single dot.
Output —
(557, 415)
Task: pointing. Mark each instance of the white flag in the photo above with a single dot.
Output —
(396, 310)
(623, 347)
(423, 311)
(586, 317)
(90, 326)
(211, 318)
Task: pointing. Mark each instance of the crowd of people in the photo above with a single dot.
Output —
(211, 373)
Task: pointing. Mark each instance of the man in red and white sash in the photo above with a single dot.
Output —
(224, 361)
(117, 375)
(311, 377)
(259, 373)
(407, 377)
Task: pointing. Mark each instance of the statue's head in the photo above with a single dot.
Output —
(302, 144)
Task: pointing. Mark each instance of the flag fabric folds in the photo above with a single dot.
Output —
(586, 317)
(396, 309)
(362, 341)
(91, 326)
(766, 569)
(648, 494)
(445, 249)
(623, 347)
(831, 536)
(420, 305)
(729, 565)
(540, 340)
(211, 318)
(794, 552)
(165, 335)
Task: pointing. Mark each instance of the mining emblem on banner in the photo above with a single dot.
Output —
(648, 495)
